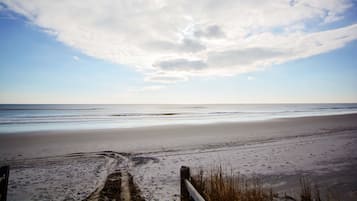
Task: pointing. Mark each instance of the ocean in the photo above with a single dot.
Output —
(22, 118)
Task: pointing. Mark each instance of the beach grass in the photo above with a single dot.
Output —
(216, 185)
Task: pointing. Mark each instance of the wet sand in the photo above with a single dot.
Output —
(173, 137)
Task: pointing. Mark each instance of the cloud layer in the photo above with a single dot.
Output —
(173, 40)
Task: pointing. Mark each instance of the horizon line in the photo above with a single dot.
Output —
(272, 103)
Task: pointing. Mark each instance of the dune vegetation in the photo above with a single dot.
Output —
(216, 185)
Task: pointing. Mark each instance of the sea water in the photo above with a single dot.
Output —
(18, 118)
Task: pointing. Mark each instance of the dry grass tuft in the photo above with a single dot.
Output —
(218, 186)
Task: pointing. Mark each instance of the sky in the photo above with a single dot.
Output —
(178, 51)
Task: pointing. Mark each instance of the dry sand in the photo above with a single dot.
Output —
(324, 148)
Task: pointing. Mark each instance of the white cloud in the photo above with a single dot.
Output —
(250, 78)
(174, 40)
(75, 58)
(147, 88)
(165, 78)
(180, 65)
(153, 88)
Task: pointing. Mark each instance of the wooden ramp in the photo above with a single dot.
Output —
(118, 187)
(125, 188)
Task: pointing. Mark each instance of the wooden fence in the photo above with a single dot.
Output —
(188, 191)
(4, 179)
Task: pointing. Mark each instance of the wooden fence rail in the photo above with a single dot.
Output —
(4, 179)
(188, 191)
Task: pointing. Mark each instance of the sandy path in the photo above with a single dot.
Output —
(90, 176)
(68, 177)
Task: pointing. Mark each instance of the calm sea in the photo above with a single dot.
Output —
(14, 118)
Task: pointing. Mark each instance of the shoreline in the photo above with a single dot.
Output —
(178, 125)
(222, 122)
(156, 138)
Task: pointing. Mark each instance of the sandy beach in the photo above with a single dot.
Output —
(322, 147)
(152, 100)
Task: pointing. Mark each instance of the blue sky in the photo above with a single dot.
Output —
(50, 56)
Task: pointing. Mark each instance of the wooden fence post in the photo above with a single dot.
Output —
(184, 174)
(4, 179)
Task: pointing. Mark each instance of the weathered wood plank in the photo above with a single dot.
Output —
(4, 179)
(193, 192)
(184, 174)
